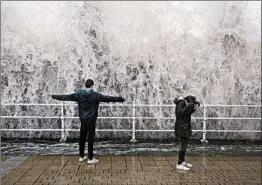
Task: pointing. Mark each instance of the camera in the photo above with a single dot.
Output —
(192, 99)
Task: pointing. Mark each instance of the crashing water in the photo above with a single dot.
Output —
(147, 52)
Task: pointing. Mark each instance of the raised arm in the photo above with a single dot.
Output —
(104, 98)
(182, 108)
(196, 106)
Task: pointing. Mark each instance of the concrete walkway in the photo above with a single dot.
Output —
(135, 170)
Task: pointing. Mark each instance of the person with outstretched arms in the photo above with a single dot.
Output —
(88, 103)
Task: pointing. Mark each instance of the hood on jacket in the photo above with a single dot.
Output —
(179, 99)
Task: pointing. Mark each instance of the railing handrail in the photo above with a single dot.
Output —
(133, 117)
(137, 105)
(129, 117)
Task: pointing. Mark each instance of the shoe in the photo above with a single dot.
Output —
(81, 159)
(187, 164)
(182, 167)
(93, 161)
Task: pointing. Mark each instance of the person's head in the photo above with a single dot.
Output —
(89, 83)
(190, 99)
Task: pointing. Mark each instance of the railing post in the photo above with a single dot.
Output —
(63, 138)
(204, 140)
(133, 123)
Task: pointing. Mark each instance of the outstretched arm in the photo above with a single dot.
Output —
(104, 98)
(69, 97)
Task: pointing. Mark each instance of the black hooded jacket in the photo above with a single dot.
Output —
(88, 102)
(183, 118)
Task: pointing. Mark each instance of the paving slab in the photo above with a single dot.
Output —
(132, 170)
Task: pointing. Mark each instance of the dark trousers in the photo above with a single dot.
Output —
(88, 126)
(182, 151)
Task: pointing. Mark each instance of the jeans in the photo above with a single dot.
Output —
(88, 126)
(182, 151)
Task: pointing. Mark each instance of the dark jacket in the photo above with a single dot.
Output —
(183, 118)
(88, 102)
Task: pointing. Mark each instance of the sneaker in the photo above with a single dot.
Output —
(187, 164)
(181, 167)
(81, 159)
(93, 161)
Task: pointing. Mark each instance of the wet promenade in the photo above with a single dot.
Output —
(135, 170)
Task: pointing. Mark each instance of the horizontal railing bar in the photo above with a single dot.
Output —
(131, 130)
(233, 105)
(31, 117)
(127, 117)
(164, 130)
(128, 130)
(233, 130)
(49, 130)
(169, 118)
(155, 105)
(134, 117)
(171, 105)
(30, 104)
(163, 118)
(42, 117)
(216, 118)
(103, 130)
(56, 104)
(102, 117)
(123, 105)
(109, 105)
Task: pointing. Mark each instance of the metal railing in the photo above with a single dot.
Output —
(133, 118)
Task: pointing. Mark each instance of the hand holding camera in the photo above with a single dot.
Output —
(192, 99)
(197, 104)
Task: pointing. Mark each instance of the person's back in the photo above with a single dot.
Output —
(88, 102)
